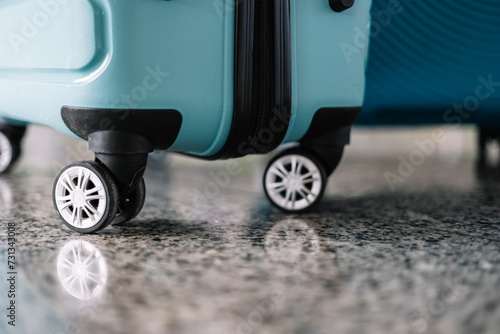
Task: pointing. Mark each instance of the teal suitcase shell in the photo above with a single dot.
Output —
(434, 62)
(212, 79)
(167, 55)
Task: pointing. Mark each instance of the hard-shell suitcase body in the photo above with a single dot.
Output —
(212, 79)
(433, 62)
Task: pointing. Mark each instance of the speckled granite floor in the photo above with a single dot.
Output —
(420, 257)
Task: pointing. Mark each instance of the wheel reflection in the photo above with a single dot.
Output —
(82, 270)
(6, 198)
(292, 241)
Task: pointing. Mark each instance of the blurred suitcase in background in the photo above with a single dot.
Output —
(213, 79)
(434, 62)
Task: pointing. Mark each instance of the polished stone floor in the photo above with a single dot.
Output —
(414, 250)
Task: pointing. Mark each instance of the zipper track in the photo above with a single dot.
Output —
(265, 68)
(262, 81)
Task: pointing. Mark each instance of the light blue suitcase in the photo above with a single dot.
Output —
(213, 79)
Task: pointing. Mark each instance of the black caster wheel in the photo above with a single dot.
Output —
(487, 136)
(85, 196)
(131, 205)
(10, 147)
(295, 180)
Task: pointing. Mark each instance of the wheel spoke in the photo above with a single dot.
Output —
(95, 277)
(91, 216)
(63, 198)
(82, 288)
(65, 184)
(68, 278)
(310, 177)
(93, 190)
(305, 190)
(79, 252)
(71, 282)
(90, 257)
(282, 169)
(76, 252)
(277, 186)
(307, 175)
(79, 216)
(278, 190)
(67, 264)
(73, 215)
(99, 283)
(304, 194)
(277, 172)
(92, 209)
(293, 170)
(65, 206)
(299, 166)
(79, 178)
(93, 197)
(69, 183)
(86, 177)
(311, 180)
(87, 289)
(287, 197)
(293, 199)
(91, 262)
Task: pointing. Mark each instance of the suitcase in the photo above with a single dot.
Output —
(434, 62)
(212, 79)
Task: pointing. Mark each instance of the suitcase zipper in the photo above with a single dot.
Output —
(262, 81)
(264, 66)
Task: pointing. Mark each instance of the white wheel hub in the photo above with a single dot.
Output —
(293, 182)
(82, 269)
(5, 152)
(80, 197)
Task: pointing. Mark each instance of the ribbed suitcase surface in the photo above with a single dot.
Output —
(431, 57)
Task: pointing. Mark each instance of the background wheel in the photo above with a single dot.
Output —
(86, 196)
(295, 180)
(488, 142)
(132, 205)
(9, 152)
